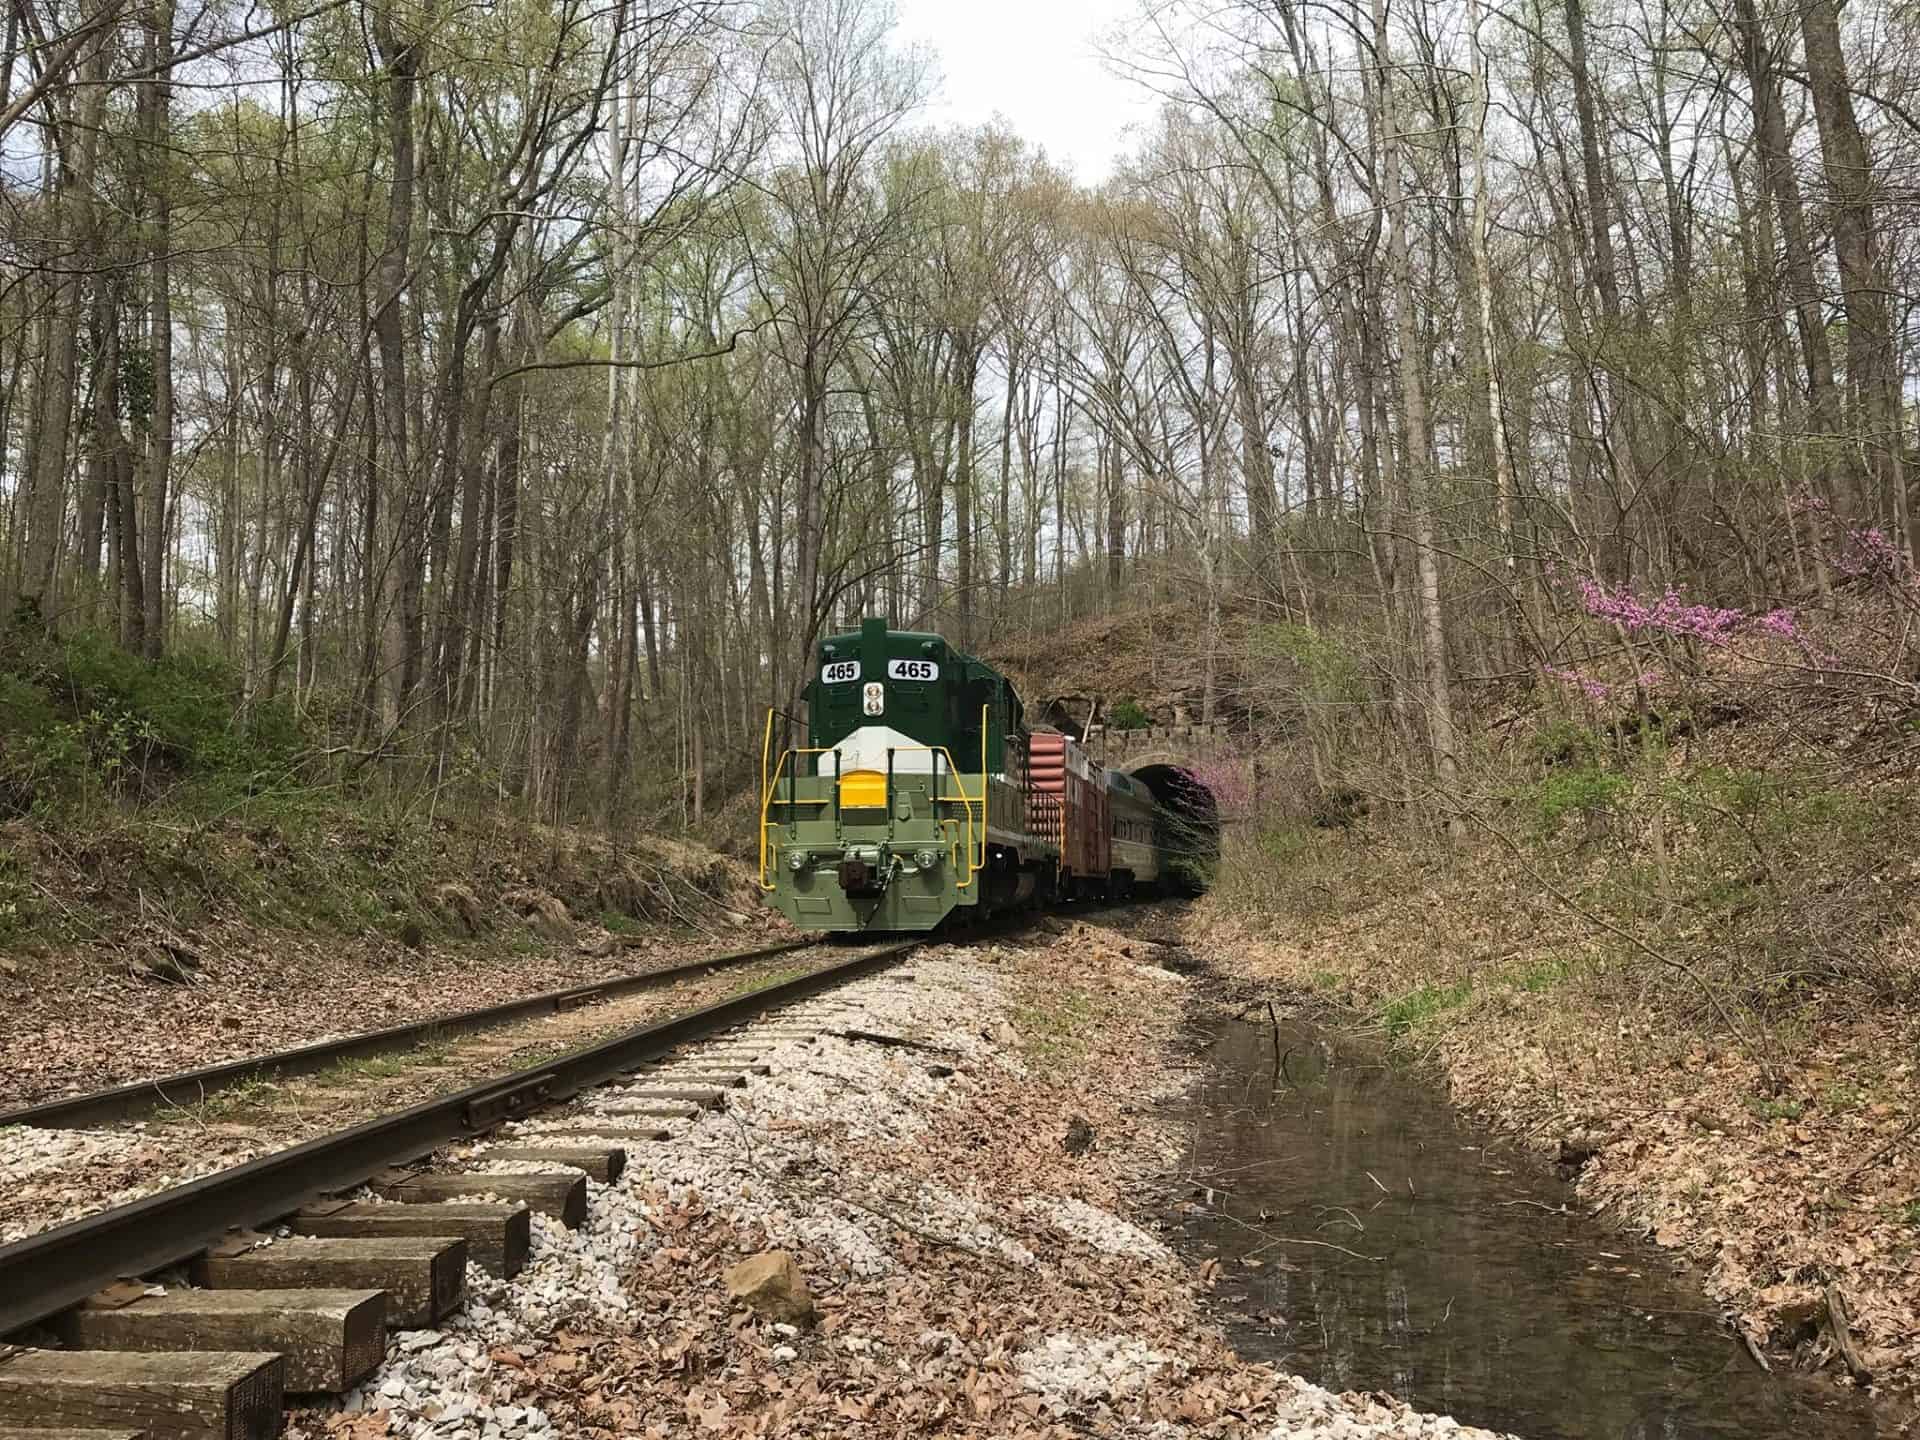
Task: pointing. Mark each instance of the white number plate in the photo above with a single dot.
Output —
(838, 672)
(913, 670)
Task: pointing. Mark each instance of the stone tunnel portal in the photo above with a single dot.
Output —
(1176, 786)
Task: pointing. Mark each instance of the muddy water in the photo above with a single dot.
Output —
(1370, 1240)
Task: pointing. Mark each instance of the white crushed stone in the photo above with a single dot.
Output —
(1072, 1368)
(1160, 972)
(1311, 1411)
(1104, 1231)
(26, 1152)
(43, 1175)
(444, 1384)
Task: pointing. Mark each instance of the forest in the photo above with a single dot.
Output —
(511, 392)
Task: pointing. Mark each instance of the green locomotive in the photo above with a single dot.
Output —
(913, 796)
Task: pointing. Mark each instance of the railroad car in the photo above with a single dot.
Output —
(920, 792)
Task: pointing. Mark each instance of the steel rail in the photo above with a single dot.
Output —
(189, 1087)
(45, 1273)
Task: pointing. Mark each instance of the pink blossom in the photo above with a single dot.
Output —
(1869, 554)
(1669, 615)
(1594, 690)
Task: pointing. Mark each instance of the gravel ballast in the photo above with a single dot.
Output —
(969, 1272)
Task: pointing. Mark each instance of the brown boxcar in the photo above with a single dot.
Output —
(1068, 805)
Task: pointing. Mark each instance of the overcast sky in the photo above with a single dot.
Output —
(1036, 63)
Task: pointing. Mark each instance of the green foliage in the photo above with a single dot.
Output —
(1128, 715)
(1565, 742)
(78, 714)
(1327, 666)
(1768, 1108)
(1422, 1006)
(1542, 975)
(1589, 790)
(17, 908)
(614, 923)
(1054, 1029)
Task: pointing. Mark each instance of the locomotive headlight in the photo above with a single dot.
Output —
(798, 861)
(926, 859)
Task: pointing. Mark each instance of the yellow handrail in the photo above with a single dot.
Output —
(766, 796)
(769, 787)
(969, 801)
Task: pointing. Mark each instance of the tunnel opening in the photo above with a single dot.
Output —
(1196, 812)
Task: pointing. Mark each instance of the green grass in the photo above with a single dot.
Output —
(1055, 1030)
(355, 1069)
(1420, 1007)
(614, 923)
(753, 984)
(241, 1097)
(1768, 1108)
(1543, 975)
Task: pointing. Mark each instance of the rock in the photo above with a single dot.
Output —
(940, 1072)
(1005, 1034)
(600, 946)
(1079, 1137)
(546, 913)
(166, 964)
(1574, 1154)
(771, 1284)
(461, 907)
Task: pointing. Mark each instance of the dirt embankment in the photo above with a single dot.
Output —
(145, 948)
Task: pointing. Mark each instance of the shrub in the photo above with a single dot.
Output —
(77, 711)
(1589, 791)
(1128, 715)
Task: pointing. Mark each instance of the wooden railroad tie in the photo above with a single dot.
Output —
(559, 1193)
(706, 1097)
(497, 1236)
(730, 1079)
(600, 1164)
(575, 1131)
(332, 1339)
(424, 1276)
(185, 1395)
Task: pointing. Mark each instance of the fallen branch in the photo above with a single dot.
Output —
(1842, 1328)
(871, 1037)
(1882, 1152)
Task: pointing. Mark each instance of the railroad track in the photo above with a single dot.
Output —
(310, 1312)
(189, 1087)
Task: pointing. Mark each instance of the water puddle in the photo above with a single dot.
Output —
(1369, 1239)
